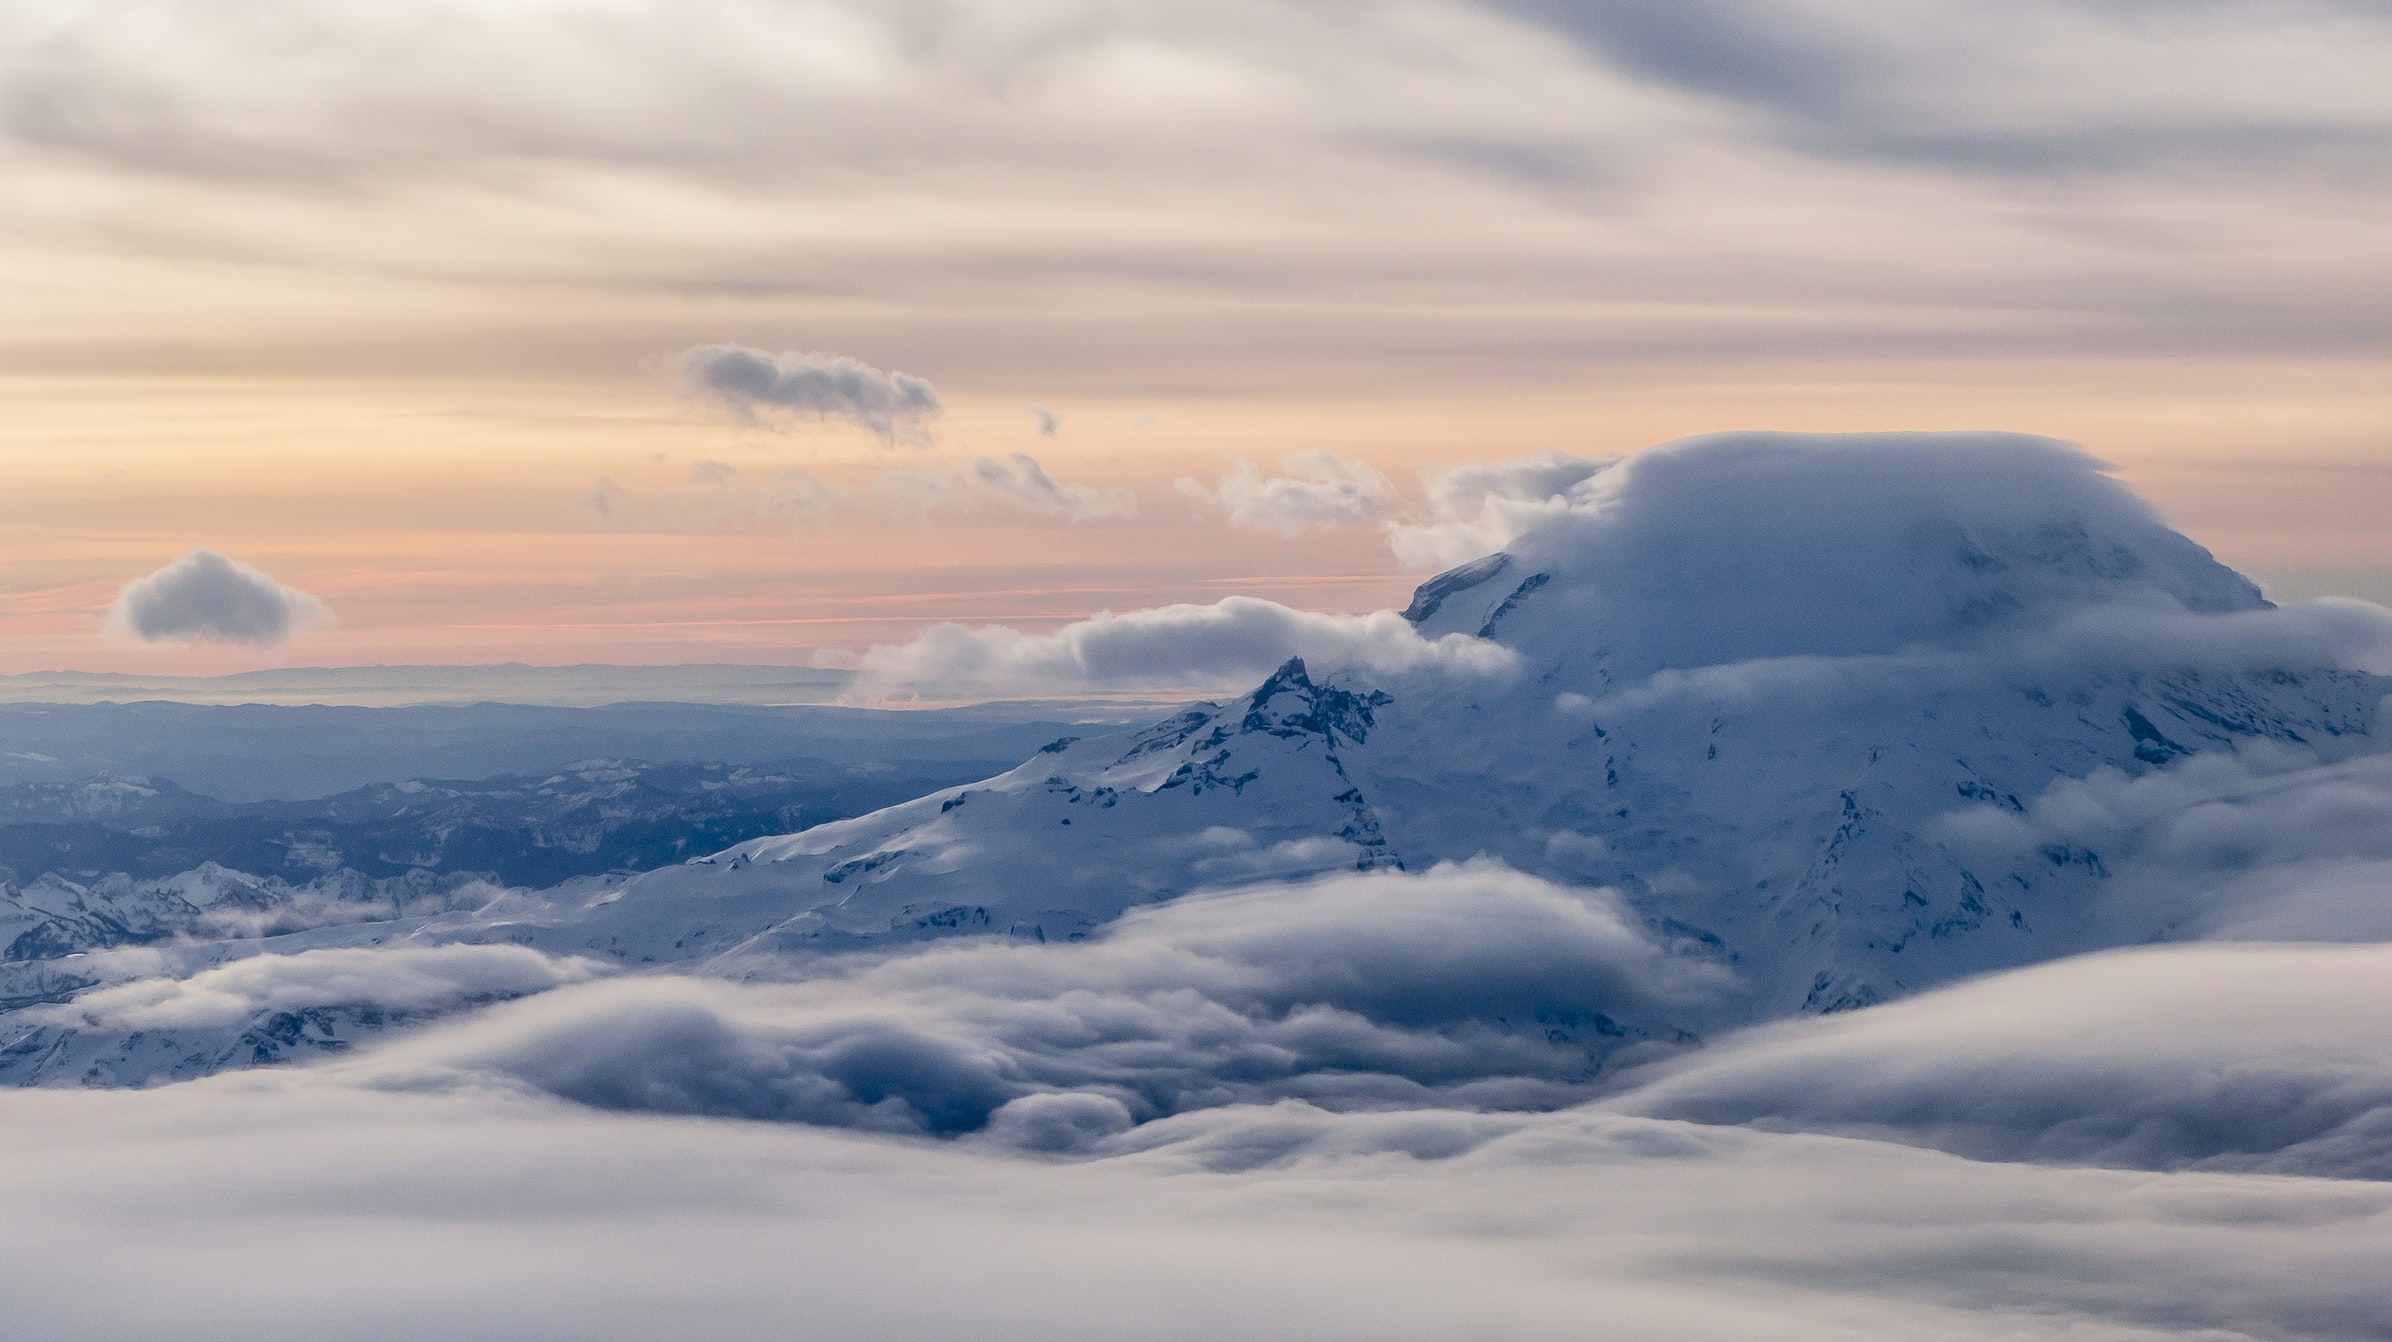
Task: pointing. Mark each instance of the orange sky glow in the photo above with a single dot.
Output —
(388, 305)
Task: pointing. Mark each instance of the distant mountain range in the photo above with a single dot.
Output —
(389, 686)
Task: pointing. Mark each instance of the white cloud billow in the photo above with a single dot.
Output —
(1320, 489)
(752, 383)
(206, 597)
(1480, 507)
(1229, 644)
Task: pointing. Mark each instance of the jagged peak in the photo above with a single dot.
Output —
(1325, 711)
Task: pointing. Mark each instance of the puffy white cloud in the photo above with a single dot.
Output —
(751, 382)
(1230, 644)
(207, 597)
(1479, 508)
(1022, 480)
(1320, 489)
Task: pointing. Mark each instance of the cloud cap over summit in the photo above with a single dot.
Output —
(1739, 546)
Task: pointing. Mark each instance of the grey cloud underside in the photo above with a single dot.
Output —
(1839, 81)
(1829, 76)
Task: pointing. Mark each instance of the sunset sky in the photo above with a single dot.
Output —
(421, 309)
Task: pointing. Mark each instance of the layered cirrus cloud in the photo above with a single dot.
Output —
(206, 597)
(1213, 163)
(1329, 1124)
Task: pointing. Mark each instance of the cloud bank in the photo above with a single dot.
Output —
(2237, 1057)
(404, 978)
(206, 597)
(752, 383)
(1372, 990)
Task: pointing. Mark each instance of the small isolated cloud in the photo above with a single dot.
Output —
(606, 501)
(1229, 644)
(751, 384)
(1320, 489)
(1021, 479)
(206, 597)
(713, 473)
(1049, 423)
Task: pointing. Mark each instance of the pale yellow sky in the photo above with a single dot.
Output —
(374, 298)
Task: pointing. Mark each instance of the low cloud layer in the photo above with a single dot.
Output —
(2270, 842)
(1288, 1218)
(1230, 644)
(206, 597)
(1470, 985)
(2261, 1058)
(753, 384)
(406, 978)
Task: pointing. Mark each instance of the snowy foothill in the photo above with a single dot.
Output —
(1864, 886)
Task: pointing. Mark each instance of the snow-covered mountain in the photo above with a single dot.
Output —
(1730, 697)
(1768, 689)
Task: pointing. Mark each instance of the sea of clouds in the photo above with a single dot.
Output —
(2174, 1142)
